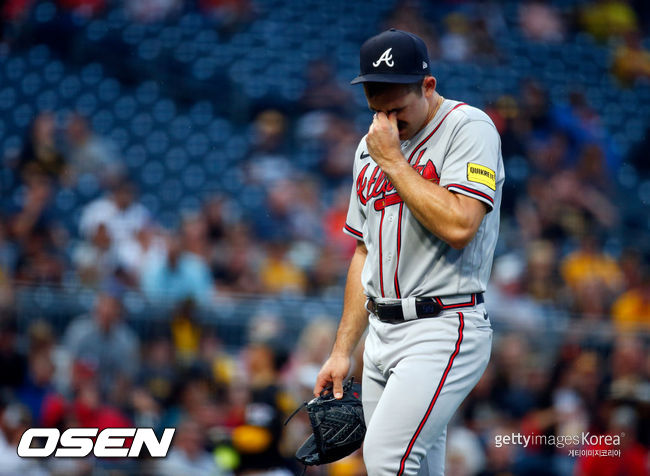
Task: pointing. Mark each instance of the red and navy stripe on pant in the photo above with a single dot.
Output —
(450, 363)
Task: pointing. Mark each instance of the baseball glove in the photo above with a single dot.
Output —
(338, 426)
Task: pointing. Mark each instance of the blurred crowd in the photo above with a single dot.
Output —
(558, 270)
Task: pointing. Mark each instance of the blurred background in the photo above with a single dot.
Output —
(175, 176)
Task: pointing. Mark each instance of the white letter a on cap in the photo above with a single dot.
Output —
(386, 57)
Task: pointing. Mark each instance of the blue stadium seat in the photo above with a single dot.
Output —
(148, 92)
(125, 107)
(15, 68)
(44, 12)
(164, 110)
(198, 145)
(180, 127)
(96, 30)
(170, 36)
(644, 192)
(23, 115)
(135, 156)
(193, 178)
(102, 121)
(38, 55)
(53, 72)
(151, 202)
(134, 33)
(141, 124)
(152, 173)
(157, 142)
(108, 90)
(7, 98)
(149, 49)
(171, 191)
(176, 159)
(86, 104)
(202, 113)
(121, 137)
(70, 86)
(65, 200)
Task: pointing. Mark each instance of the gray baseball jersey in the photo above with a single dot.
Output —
(459, 149)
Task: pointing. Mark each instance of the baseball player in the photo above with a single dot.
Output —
(424, 208)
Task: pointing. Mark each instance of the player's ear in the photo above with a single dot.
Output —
(428, 86)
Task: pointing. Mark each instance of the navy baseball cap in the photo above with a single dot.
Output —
(394, 56)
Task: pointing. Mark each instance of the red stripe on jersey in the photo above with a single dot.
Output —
(353, 231)
(471, 190)
(461, 325)
(381, 257)
(399, 247)
(434, 130)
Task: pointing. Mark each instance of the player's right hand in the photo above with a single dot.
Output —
(334, 370)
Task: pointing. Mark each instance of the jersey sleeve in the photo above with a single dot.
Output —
(356, 218)
(471, 166)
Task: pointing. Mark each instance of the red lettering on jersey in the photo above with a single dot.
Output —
(361, 184)
(378, 184)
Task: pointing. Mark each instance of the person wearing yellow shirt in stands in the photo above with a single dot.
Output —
(631, 311)
(589, 263)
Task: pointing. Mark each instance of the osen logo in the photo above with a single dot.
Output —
(79, 442)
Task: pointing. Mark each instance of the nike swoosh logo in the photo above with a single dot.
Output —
(364, 155)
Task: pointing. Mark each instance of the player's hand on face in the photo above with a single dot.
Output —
(334, 370)
(383, 139)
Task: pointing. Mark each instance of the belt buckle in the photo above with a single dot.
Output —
(428, 308)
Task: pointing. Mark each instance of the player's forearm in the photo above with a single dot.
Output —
(442, 212)
(354, 319)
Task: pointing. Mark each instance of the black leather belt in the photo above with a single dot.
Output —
(424, 307)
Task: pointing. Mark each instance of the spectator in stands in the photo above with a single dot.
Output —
(235, 261)
(230, 15)
(604, 19)
(89, 154)
(38, 384)
(277, 273)
(408, 16)
(541, 279)
(40, 239)
(584, 127)
(455, 43)
(105, 344)
(638, 156)
(322, 91)
(194, 234)
(631, 60)
(186, 331)
(268, 160)
(631, 310)
(40, 153)
(13, 362)
(188, 455)
(259, 438)
(119, 211)
(314, 346)
(589, 264)
(177, 275)
(156, 381)
(95, 259)
(541, 22)
(14, 421)
(149, 11)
